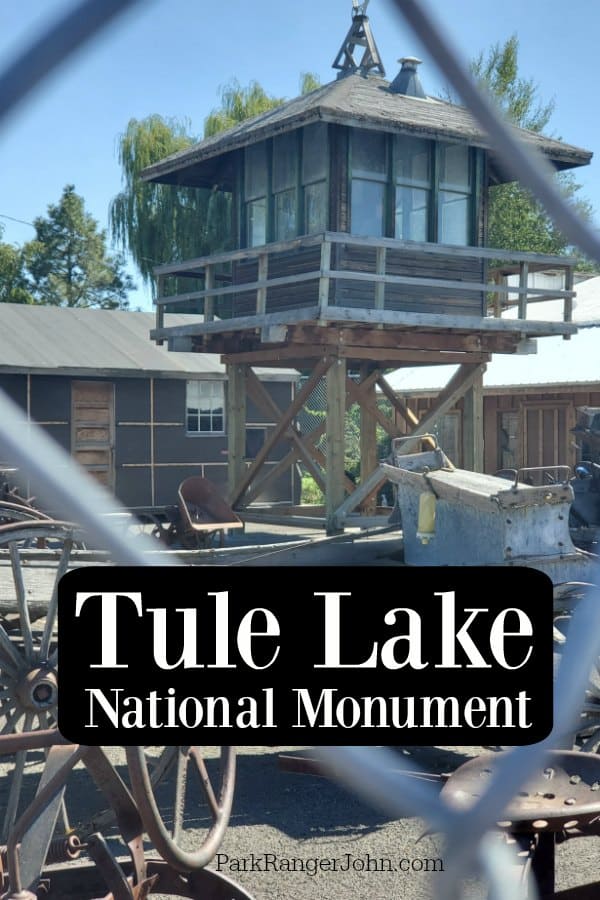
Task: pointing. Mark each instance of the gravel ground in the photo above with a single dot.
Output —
(340, 848)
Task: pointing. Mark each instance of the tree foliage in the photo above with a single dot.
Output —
(518, 97)
(516, 220)
(237, 104)
(157, 223)
(161, 223)
(67, 264)
(13, 281)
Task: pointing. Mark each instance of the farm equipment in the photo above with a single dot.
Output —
(455, 517)
(200, 517)
(585, 511)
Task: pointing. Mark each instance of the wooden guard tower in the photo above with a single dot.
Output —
(358, 245)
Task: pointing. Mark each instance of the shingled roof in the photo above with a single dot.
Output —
(362, 102)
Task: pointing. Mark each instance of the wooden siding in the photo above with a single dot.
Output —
(542, 420)
(152, 453)
(412, 298)
(292, 296)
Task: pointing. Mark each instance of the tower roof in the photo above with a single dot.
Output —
(358, 101)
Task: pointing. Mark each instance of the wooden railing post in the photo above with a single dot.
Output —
(324, 279)
(497, 301)
(261, 292)
(568, 307)
(380, 257)
(160, 310)
(209, 302)
(523, 283)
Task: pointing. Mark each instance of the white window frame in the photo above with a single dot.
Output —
(210, 393)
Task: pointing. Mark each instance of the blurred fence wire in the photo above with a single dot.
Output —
(370, 773)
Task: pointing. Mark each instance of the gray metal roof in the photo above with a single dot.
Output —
(361, 102)
(62, 341)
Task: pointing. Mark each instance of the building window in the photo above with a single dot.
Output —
(315, 156)
(396, 188)
(454, 197)
(412, 173)
(285, 186)
(205, 405)
(255, 194)
(369, 182)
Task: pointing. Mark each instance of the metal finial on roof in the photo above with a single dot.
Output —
(359, 35)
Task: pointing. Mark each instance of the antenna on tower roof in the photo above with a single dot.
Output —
(359, 35)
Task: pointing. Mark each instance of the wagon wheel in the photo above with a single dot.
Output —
(28, 645)
(566, 598)
(164, 821)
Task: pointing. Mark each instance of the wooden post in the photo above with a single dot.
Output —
(380, 255)
(568, 308)
(261, 293)
(324, 279)
(160, 310)
(209, 302)
(368, 440)
(236, 424)
(523, 282)
(336, 409)
(473, 426)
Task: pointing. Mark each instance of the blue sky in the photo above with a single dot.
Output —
(172, 56)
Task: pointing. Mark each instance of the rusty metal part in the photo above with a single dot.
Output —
(563, 796)
(64, 849)
(46, 794)
(121, 888)
(85, 882)
(126, 813)
(219, 804)
(36, 841)
(61, 850)
(31, 740)
(28, 644)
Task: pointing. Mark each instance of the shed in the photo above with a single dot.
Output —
(140, 419)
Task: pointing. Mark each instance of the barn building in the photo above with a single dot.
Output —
(137, 417)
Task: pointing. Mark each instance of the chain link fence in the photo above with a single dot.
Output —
(470, 841)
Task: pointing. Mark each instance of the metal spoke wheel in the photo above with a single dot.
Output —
(210, 799)
(28, 651)
(566, 597)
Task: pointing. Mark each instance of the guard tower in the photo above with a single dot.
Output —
(358, 235)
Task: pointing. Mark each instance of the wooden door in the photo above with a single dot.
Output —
(546, 434)
(93, 428)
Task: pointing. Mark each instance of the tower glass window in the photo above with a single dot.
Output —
(285, 186)
(369, 180)
(255, 194)
(412, 170)
(455, 191)
(315, 156)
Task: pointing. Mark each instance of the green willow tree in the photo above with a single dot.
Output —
(67, 264)
(516, 220)
(160, 223)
